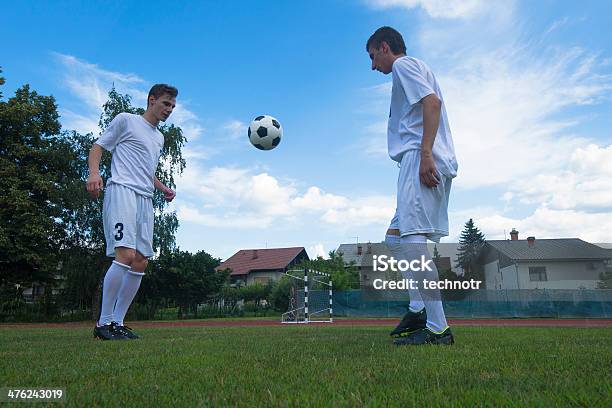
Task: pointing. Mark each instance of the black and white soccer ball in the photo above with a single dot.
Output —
(265, 132)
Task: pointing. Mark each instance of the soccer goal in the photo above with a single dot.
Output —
(310, 297)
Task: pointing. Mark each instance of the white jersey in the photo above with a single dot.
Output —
(136, 146)
(412, 81)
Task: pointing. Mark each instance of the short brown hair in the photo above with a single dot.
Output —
(158, 90)
(389, 35)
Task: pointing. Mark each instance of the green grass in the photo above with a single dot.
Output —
(313, 366)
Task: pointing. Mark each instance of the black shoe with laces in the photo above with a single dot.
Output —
(108, 332)
(127, 332)
(410, 323)
(426, 336)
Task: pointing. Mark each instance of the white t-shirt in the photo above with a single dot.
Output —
(412, 81)
(136, 146)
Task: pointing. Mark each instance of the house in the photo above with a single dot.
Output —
(566, 263)
(362, 256)
(262, 265)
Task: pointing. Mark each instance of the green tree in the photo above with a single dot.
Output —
(605, 280)
(34, 172)
(471, 243)
(185, 279)
(344, 276)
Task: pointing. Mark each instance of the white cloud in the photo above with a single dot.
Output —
(235, 129)
(585, 184)
(81, 123)
(239, 193)
(436, 8)
(542, 223)
(556, 25)
(90, 84)
(245, 221)
(315, 199)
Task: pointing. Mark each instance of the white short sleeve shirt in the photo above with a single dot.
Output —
(136, 146)
(412, 81)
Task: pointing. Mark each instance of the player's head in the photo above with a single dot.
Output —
(161, 101)
(384, 47)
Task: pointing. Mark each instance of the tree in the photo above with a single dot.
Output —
(184, 278)
(470, 244)
(34, 173)
(343, 276)
(1, 82)
(605, 280)
(436, 257)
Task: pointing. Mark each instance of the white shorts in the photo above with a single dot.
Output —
(128, 220)
(420, 209)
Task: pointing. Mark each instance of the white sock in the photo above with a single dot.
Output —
(413, 247)
(129, 288)
(393, 243)
(110, 289)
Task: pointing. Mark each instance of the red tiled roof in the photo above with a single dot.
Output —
(246, 260)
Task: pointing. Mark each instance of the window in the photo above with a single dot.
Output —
(590, 266)
(263, 280)
(537, 273)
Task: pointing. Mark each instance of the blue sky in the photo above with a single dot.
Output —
(527, 85)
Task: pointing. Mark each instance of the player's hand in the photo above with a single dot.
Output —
(427, 170)
(169, 194)
(94, 186)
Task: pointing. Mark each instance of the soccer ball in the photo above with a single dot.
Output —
(265, 132)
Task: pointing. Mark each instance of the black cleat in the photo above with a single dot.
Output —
(108, 332)
(410, 323)
(426, 336)
(127, 332)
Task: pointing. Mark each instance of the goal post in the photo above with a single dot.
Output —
(310, 297)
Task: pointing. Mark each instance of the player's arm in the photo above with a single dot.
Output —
(431, 120)
(94, 181)
(169, 194)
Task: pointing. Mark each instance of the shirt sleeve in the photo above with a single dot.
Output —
(113, 134)
(413, 79)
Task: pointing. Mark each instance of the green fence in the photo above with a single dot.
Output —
(483, 303)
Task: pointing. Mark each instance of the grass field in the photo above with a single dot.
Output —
(313, 366)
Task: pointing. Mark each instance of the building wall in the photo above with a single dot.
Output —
(492, 275)
(263, 277)
(562, 275)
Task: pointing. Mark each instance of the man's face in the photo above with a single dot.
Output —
(382, 58)
(162, 107)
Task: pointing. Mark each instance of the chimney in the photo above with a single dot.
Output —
(369, 251)
(514, 235)
(359, 249)
(255, 256)
(531, 241)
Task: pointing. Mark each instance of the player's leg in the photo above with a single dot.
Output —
(415, 318)
(119, 216)
(127, 293)
(133, 278)
(419, 209)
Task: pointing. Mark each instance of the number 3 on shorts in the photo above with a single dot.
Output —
(119, 231)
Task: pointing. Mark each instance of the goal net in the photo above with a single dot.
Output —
(310, 297)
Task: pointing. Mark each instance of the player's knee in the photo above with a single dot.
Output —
(125, 256)
(140, 263)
